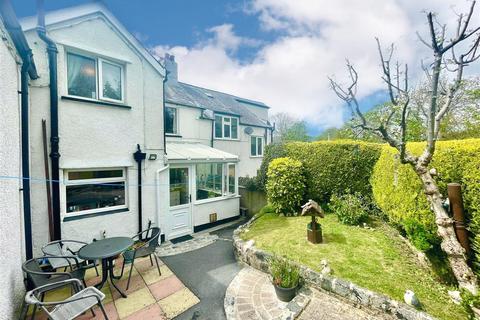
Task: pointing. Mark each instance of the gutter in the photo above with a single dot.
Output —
(28, 70)
(54, 138)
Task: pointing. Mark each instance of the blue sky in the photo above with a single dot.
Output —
(279, 51)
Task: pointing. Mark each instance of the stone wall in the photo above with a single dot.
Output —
(246, 252)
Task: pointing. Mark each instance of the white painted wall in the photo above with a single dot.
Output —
(98, 136)
(11, 227)
(192, 128)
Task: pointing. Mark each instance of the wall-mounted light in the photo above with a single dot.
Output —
(152, 156)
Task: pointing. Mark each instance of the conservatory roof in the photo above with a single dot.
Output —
(196, 152)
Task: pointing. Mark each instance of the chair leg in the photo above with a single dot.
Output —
(151, 261)
(158, 267)
(93, 312)
(103, 311)
(34, 311)
(24, 311)
(130, 274)
(95, 265)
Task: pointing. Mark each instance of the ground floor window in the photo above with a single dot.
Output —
(214, 180)
(89, 191)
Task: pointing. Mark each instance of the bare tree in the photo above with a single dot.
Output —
(395, 76)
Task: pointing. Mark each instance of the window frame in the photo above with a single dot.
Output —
(229, 124)
(98, 76)
(176, 133)
(256, 155)
(68, 182)
(225, 194)
(100, 62)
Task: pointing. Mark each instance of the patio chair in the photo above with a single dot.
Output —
(82, 300)
(66, 248)
(144, 246)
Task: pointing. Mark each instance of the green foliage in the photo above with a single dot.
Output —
(350, 209)
(398, 191)
(250, 183)
(267, 209)
(331, 167)
(297, 132)
(284, 273)
(272, 151)
(468, 301)
(285, 185)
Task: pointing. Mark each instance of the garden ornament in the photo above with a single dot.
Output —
(326, 270)
(314, 229)
(411, 299)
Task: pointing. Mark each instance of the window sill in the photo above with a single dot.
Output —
(256, 156)
(72, 217)
(205, 201)
(100, 102)
(173, 135)
(226, 139)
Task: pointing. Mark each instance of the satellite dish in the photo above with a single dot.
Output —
(208, 114)
(248, 130)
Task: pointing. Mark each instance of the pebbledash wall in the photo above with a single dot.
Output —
(11, 226)
(97, 136)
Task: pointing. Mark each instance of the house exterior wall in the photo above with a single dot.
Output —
(192, 128)
(11, 226)
(98, 136)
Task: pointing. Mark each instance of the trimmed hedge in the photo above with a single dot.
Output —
(285, 185)
(399, 193)
(272, 151)
(336, 167)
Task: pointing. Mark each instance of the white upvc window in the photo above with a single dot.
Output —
(215, 180)
(256, 146)
(226, 127)
(171, 120)
(95, 190)
(95, 78)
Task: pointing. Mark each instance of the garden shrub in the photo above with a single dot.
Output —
(249, 183)
(350, 209)
(398, 192)
(272, 151)
(285, 274)
(331, 167)
(285, 185)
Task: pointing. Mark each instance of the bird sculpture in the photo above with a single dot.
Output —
(411, 299)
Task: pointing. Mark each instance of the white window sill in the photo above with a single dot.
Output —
(222, 198)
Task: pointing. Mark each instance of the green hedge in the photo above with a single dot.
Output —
(336, 167)
(285, 185)
(399, 193)
(272, 151)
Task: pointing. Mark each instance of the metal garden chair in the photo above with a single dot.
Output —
(81, 301)
(144, 246)
(66, 249)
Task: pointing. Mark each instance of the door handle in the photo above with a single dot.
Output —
(189, 198)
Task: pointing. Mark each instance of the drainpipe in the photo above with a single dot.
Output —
(213, 133)
(54, 138)
(139, 156)
(164, 118)
(27, 70)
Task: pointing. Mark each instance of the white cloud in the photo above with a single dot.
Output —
(290, 73)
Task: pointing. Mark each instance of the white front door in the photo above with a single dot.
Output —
(180, 213)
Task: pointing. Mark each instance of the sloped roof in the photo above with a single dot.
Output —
(219, 102)
(86, 11)
(183, 151)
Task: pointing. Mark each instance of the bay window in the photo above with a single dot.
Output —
(90, 191)
(226, 127)
(85, 72)
(256, 146)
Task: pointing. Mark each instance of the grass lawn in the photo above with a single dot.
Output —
(375, 259)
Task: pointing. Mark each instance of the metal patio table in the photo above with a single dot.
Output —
(106, 250)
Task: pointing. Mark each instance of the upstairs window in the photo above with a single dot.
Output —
(171, 120)
(256, 146)
(226, 127)
(84, 73)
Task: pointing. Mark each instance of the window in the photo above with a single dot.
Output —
(83, 74)
(179, 187)
(89, 191)
(226, 127)
(209, 180)
(171, 120)
(256, 146)
(215, 180)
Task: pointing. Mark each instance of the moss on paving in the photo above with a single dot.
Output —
(376, 259)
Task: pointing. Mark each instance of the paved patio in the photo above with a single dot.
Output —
(150, 295)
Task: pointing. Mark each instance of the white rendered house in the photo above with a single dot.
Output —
(117, 169)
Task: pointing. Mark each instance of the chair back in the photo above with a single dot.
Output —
(154, 238)
(34, 274)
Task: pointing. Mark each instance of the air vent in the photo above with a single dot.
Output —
(248, 130)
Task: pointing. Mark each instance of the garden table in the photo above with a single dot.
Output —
(106, 250)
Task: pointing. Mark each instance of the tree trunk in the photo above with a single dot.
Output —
(450, 245)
